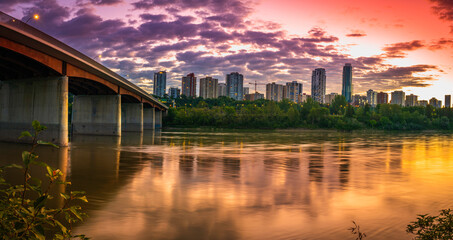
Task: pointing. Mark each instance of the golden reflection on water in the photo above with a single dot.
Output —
(259, 185)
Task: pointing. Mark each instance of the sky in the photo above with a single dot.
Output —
(391, 44)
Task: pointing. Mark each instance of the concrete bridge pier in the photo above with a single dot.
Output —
(158, 119)
(96, 115)
(132, 117)
(148, 118)
(43, 99)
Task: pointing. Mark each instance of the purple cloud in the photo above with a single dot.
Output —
(444, 8)
(356, 33)
(214, 37)
(398, 50)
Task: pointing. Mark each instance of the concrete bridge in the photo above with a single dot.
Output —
(36, 74)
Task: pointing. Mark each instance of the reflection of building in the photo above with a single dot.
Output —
(235, 85)
(347, 82)
(221, 89)
(189, 85)
(174, 92)
(398, 97)
(293, 90)
(208, 87)
(330, 97)
(358, 100)
(411, 100)
(160, 83)
(318, 85)
(447, 101)
(254, 96)
(316, 163)
(274, 92)
(435, 103)
(371, 97)
(382, 98)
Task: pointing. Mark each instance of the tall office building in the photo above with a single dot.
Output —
(435, 103)
(235, 85)
(208, 87)
(347, 82)
(274, 92)
(221, 89)
(246, 90)
(160, 83)
(293, 90)
(411, 100)
(318, 85)
(382, 98)
(447, 101)
(189, 85)
(174, 92)
(398, 97)
(371, 97)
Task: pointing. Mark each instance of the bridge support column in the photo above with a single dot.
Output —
(132, 117)
(158, 118)
(42, 99)
(148, 119)
(97, 115)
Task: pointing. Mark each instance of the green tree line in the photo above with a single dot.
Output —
(227, 113)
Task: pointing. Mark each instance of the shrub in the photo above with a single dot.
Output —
(23, 208)
(433, 227)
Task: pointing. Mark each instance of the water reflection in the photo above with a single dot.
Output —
(261, 185)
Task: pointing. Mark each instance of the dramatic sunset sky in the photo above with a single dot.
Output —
(392, 44)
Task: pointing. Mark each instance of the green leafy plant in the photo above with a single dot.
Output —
(24, 212)
(433, 227)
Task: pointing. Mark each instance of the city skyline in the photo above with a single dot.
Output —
(391, 45)
(293, 91)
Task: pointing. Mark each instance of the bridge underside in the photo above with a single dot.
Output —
(38, 90)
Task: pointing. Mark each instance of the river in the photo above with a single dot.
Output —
(199, 184)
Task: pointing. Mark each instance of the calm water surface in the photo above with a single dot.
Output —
(256, 185)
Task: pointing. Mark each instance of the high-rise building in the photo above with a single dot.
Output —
(160, 83)
(293, 90)
(447, 101)
(303, 98)
(382, 98)
(246, 90)
(411, 100)
(358, 100)
(174, 92)
(274, 92)
(330, 97)
(189, 85)
(254, 96)
(423, 103)
(398, 97)
(208, 87)
(435, 103)
(371, 97)
(235, 85)
(347, 82)
(318, 85)
(221, 89)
